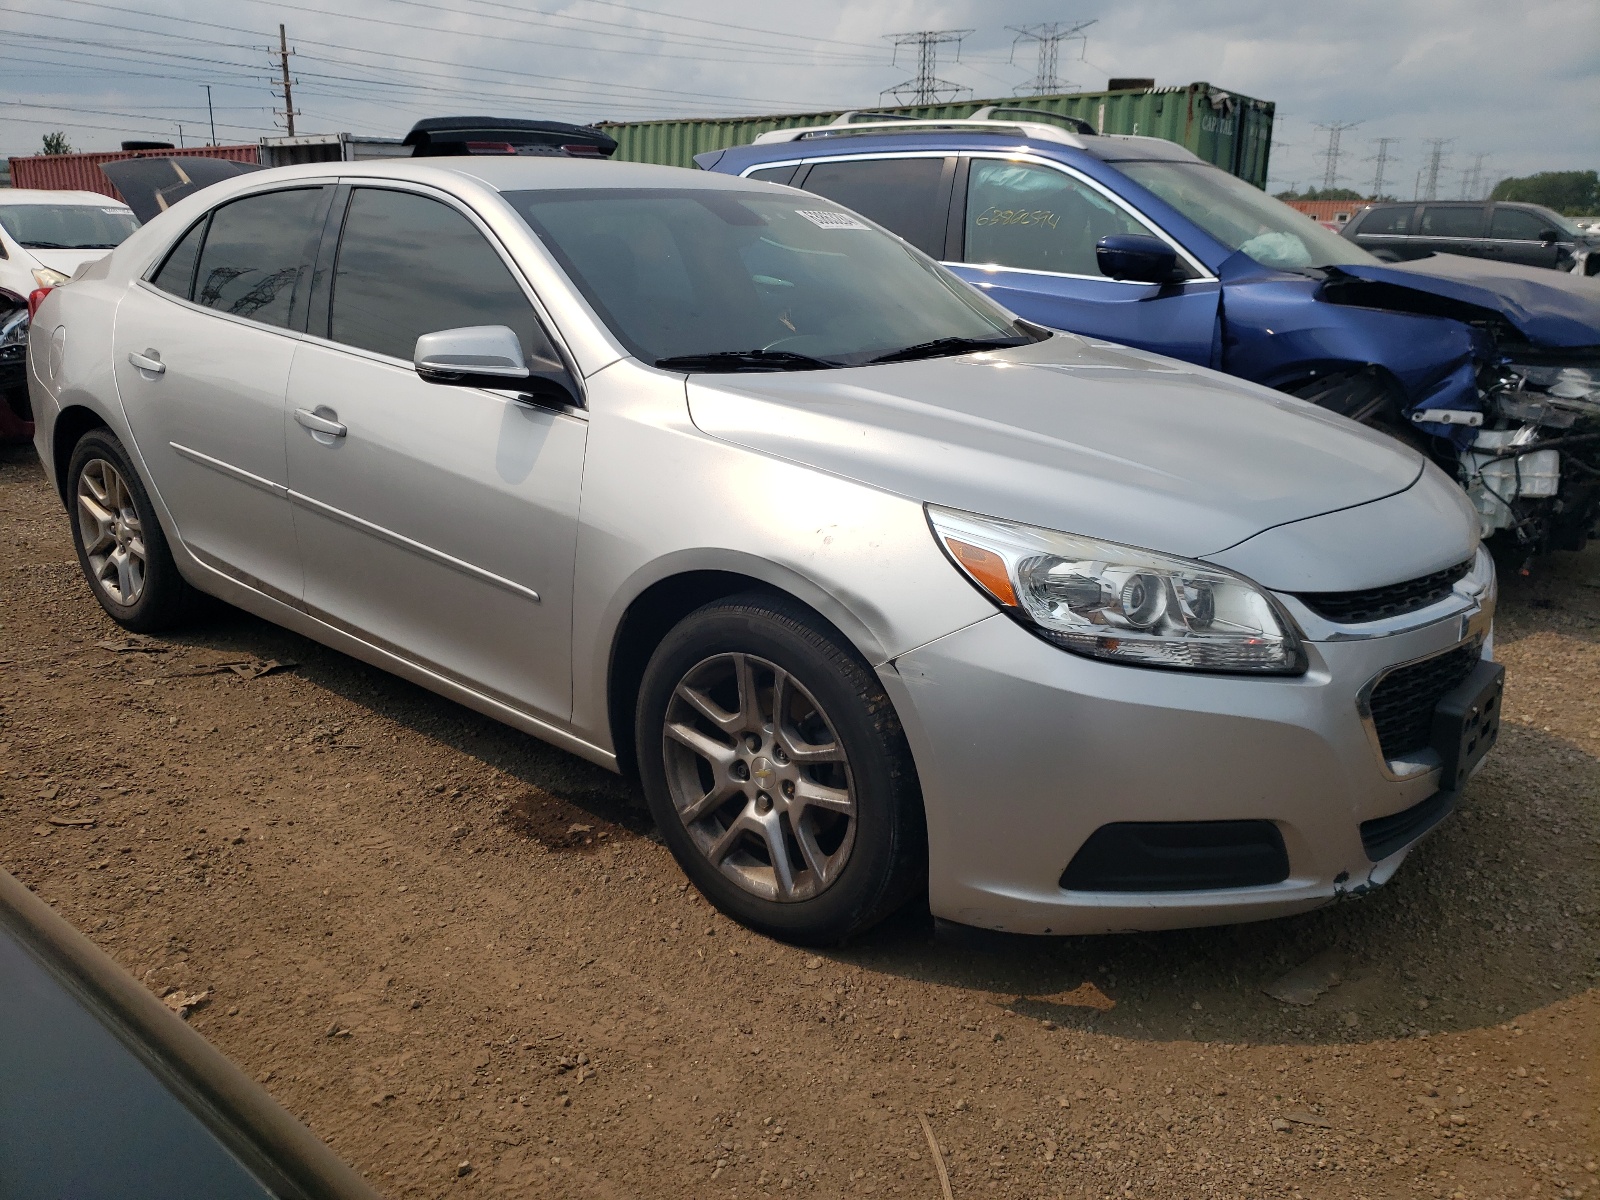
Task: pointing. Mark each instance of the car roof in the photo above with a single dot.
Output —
(13, 196)
(509, 173)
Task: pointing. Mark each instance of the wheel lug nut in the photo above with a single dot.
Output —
(740, 771)
(763, 803)
(788, 788)
(753, 742)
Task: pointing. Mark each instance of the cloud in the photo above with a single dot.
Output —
(1520, 84)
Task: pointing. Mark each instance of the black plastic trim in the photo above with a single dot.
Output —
(1382, 836)
(1178, 856)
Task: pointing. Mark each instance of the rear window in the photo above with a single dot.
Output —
(67, 226)
(1517, 225)
(257, 251)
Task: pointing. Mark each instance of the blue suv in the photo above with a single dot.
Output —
(1492, 369)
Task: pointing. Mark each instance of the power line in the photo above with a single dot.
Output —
(1045, 81)
(926, 87)
(1330, 156)
(1383, 158)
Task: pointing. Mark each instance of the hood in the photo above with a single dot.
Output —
(67, 261)
(1549, 308)
(1067, 434)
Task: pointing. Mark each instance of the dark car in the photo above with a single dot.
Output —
(1492, 367)
(1506, 232)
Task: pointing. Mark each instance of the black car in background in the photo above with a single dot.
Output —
(1515, 233)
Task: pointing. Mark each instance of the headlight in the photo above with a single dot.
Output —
(48, 277)
(1119, 602)
(14, 330)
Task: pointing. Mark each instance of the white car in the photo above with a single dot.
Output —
(46, 236)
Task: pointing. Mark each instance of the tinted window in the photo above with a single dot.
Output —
(1386, 220)
(902, 194)
(1517, 224)
(1439, 221)
(256, 253)
(774, 174)
(1037, 218)
(409, 265)
(698, 271)
(177, 273)
(67, 226)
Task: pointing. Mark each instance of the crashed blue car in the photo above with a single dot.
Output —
(1491, 369)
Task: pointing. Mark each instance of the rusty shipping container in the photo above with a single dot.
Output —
(1222, 127)
(82, 173)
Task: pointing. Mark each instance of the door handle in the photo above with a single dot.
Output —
(150, 361)
(319, 424)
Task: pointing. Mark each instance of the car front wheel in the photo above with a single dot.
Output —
(778, 773)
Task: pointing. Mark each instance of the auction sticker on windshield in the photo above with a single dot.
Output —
(827, 219)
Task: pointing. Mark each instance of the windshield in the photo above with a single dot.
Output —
(66, 226)
(766, 281)
(1242, 217)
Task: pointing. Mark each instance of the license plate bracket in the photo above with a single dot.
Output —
(1466, 723)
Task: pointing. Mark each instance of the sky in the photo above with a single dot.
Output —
(1517, 83)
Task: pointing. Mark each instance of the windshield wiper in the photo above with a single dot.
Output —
(745, 360)
(46, 246)
(949, 345)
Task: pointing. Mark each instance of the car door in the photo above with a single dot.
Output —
(1517, 235)
(437, 522)
(1451, 229)
(202, 350)
(1026, 234)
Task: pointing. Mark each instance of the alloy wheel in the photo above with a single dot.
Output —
(759, 778)
(110, 531)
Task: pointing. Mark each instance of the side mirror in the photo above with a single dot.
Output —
(1136, 258)
(1549, 237)
(488, 356)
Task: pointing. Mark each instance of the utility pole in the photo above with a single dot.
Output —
(210, 112)
(180, 137)
(1430, 173)
(927, 87)
(1046, 81)
(1383, 158)
(288, 93)
(1330, 156)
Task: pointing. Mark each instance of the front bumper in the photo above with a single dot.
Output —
(1024, 751)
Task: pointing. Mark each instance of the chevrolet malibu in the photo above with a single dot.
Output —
(879, 590)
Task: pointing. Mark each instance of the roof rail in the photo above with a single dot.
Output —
(1076, 124)
(902, 124)
(849, 118)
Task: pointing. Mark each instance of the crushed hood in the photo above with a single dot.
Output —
(1067, 434)
(1549, 308)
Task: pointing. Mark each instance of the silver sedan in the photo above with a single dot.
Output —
(880, 591)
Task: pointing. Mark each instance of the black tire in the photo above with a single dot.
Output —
(163, 599)
(885, 840)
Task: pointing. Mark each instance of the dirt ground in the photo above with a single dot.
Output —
(461, 957)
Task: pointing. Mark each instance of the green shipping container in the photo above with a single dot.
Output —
(1225, 128)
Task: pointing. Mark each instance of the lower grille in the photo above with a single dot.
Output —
(1384, 835)
(1178, 856)
(1402, 704)
(1393, 600)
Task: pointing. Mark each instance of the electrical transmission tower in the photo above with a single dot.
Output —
(1046, 81)
(1330, 156)
(927, 87)
(1428, 183)
(1472, 179)
(1383, 159)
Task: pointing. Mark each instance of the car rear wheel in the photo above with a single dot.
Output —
(120, 544)
(778, 773)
